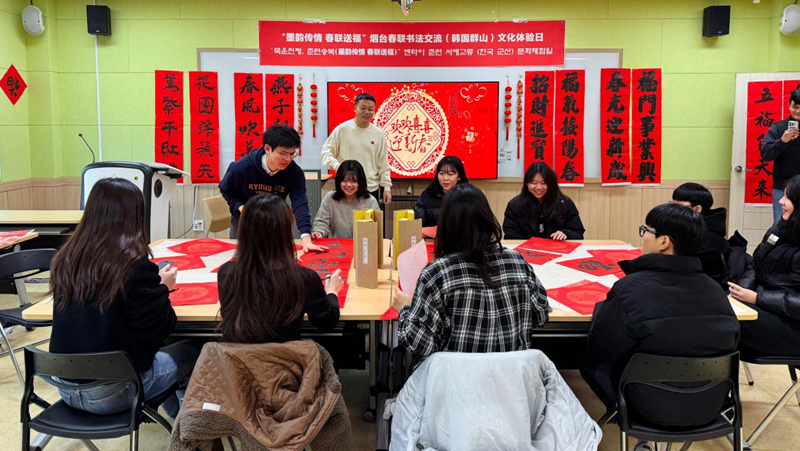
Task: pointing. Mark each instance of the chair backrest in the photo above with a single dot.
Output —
(663, 372)
(219, 212)
(29, 262)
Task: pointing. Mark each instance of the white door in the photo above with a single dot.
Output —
(751, 220)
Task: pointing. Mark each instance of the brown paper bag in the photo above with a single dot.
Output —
(407, 233)
(366, 233)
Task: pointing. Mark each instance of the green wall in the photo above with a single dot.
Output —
(39, 136)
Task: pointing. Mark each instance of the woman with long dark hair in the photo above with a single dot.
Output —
(264, 292)
(541, 210)
(109, 296)
(476, 296)
(772, 285)
(335, 215)
(449, 173)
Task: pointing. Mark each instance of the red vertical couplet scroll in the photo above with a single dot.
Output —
(169, 118)
(280, 99)
(646, 127)
(248, 100)
(615, 126)
(204, 104)
(570, 93)
(539, 105)
(764, 108)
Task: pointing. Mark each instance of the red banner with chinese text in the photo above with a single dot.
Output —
(539, 103)
(248, 100)
(169, 118)
(437, 44)
(280, 99)
(615, 102)
(788, 87)
(764, 108)
(646, 127)
(569, 124)
(204, 130)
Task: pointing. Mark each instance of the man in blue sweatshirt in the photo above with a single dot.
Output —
(270, 169)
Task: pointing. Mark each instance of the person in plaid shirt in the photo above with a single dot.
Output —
(477, 296)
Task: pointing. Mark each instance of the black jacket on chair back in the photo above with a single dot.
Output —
(716, 251)
(665, 306)
(428, 207)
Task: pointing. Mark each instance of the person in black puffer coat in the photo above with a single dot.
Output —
(449, 173)
(541, 210)
(716, 251)
(771, 286)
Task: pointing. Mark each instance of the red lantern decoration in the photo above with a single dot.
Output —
(314, 109)
(507, 112)
(299, 89)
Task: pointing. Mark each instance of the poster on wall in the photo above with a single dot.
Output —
(539, 103)
(204, 130)
(615, 102)
(764, 108)
(169, 118)
(248, 100)
(646, 127)
(569, 127)
(424, 122)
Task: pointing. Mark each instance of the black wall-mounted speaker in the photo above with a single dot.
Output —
(716, 21)
(98, 19)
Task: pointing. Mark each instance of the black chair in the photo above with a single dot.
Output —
(16, 266)
(661, 372)
(794, 364)
(61, 420)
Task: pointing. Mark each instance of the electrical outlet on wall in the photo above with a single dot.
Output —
(197, 225)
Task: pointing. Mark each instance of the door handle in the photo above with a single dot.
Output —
(739, 169)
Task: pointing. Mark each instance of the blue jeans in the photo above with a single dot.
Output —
(173, 363)
(777, 195)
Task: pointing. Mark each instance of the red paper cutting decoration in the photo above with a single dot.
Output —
(520, 91)
(646, 127)
(617, 255)
(615, 102)
(763, 109)
(204, 102)
(299, 90)
(202, 247)
(169, 118)
(194, 294)
(569, 120)
(13, 85)
(539, 106)
(248, 102)
(580, 296)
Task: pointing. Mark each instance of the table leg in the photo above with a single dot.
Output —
(22, 292)
(369, 414)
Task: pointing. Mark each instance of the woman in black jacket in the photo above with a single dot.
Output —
(541, 210)
(264, 293)
(772, 285)
(449, 173)
(109, 296)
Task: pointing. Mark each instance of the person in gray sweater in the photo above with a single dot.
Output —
(335, 216)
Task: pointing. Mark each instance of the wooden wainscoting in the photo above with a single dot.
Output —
(607, 212)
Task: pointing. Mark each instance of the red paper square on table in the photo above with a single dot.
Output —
(595, 266)
(202, 247)
(13, 85)
(343, 294)
(542, 244)
(429, 232)
(324, 265)
(389, 314)
(194, 294)
(537, 257)
(183, 262)
(617, 255)
(10, 237)
(580, 296)
(298, 247)
(429, 247)
(336, 244)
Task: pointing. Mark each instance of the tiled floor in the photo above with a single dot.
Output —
(771, 383)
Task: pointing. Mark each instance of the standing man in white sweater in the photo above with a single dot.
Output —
(364, 142)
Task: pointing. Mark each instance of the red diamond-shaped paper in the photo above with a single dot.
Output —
(202, 247)
(13, 85)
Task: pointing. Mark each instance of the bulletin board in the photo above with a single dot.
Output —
(226, 62)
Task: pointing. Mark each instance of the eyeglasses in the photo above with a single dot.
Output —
(644, 229)
(286, 156)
